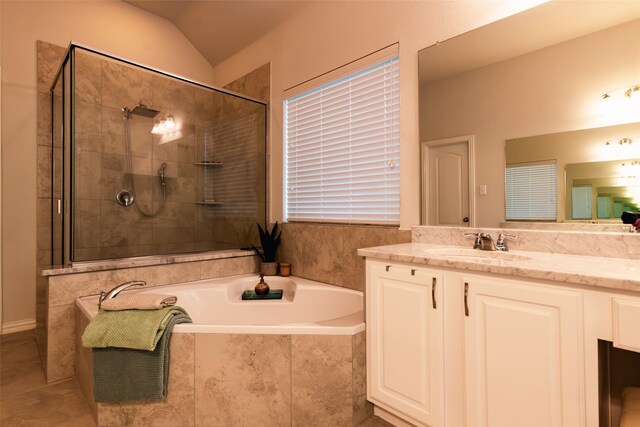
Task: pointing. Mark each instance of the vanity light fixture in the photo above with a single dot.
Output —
(622, 142)
(628, 91)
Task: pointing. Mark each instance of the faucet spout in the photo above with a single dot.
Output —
(115, 291)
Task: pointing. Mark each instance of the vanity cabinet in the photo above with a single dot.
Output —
(492, 351)
(524, 353)
(405, 356)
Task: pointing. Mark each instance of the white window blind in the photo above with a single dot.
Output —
(531, 191)
(342, 149)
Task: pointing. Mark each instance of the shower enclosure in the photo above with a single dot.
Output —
(145, 163)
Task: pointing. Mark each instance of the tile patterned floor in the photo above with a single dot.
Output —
(27, 401)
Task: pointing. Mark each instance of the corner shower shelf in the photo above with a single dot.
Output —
(208, 163)
(208, 203)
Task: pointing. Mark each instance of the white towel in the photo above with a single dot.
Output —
(138, 302)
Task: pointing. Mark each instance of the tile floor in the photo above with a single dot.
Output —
(26, 399)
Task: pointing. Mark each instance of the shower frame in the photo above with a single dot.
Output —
(62, 204)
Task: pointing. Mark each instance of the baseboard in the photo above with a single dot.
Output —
(18, 326)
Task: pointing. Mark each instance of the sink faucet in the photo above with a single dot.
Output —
(483, 241)
(115, 291)
(501, 244)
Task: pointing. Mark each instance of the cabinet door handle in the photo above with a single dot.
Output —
(433, 292)
(466, 299)
(388, 267)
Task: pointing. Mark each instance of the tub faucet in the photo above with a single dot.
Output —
(483, 241)
(115, 291)
(477, 244)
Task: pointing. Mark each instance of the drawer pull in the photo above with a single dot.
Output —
(387, 267)
(433, 292)
(466, 299)
(413, 271)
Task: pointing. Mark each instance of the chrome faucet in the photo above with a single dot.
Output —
(477, 244)
(483, 241)
(501, 244)
(115, 291)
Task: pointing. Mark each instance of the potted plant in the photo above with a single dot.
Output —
(270, 240)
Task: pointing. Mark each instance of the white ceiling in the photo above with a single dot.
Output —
(533, 29)
(220, 28)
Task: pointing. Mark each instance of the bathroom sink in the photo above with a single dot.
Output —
(476, 255)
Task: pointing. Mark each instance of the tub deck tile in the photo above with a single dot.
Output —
(321, 371)
(243, 380)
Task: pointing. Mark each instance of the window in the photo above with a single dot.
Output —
(531, 191)
(342, 148)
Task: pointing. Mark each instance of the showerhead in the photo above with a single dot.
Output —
(144, 111)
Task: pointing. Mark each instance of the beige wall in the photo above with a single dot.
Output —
(111, 26)
(551, 90)
(326, 35)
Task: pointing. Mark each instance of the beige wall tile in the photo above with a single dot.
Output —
(361, 408)
(124, 86)
(321, 369)
(49, 59)
(84, 363)
(328, 253)
(88, 78)
(65, 289)
(88, 130)
(43, 113)
(256, 84)
(177, 409)
(243, 380)
(229, 267)
(44, 172)
(61, 343)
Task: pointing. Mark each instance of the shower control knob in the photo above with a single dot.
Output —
(125, 197)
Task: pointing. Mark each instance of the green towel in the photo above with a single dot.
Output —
(135, 329)
(124, 375)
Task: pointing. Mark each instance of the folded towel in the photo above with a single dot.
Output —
(136, 301)
(135, 329)
(123, 375)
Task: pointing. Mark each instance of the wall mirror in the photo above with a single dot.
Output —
(529, 90)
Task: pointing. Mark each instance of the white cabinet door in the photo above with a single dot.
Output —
(524, 349)
(405, 341)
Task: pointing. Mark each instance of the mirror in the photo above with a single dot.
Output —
(541, 72)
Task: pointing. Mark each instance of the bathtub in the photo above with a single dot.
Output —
(216, 306)
(296, 361)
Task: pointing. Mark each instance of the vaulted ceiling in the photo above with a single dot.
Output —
(220, 28)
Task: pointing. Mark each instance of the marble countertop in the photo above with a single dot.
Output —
(601, 272)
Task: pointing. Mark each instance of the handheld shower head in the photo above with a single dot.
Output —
(161, 173)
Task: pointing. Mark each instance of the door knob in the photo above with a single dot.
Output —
(465, 219)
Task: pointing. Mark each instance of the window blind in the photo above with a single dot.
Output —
(342, 149)
(531, 191)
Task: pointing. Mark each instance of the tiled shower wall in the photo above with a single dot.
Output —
(105, 229)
